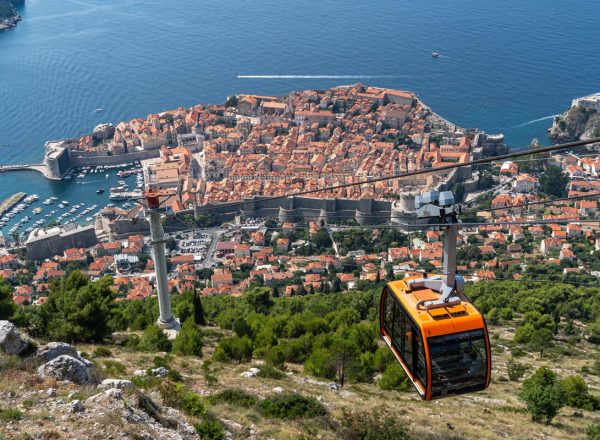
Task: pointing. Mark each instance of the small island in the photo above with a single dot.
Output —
(9, 16)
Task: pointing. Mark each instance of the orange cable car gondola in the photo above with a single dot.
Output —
(439, 338)
(445, 351)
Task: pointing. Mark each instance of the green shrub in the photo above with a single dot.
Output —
(543, 395)
(133, 341)
(517, 352)
(177, 396)
(101, 352)
(382, 358)
(594, 329)
(10, 414)
(13, 362)
(291, 406)
(146, 382)
(113, 368)
(268, 371)
(189, 340)
(372, 426)
(192, 404)
(516, 370)
(210, 379)
(275, 357)
(394, 378)
(593, 432)
(364, 370)
(577, 394)
(235, 348)
(210, 429)
(174, 376)
(234, 397)
(162, 361)
(154, 339)
(320, 364)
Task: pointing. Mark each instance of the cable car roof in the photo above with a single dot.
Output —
(437, 321)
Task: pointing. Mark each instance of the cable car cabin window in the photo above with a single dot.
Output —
(405, 337)
(389, 312)
(420, 359)
(458, 363)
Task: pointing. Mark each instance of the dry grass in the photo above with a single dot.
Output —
(496, 413)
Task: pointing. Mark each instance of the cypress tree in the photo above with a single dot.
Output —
(198, 311)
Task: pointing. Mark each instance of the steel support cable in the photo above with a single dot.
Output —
(542, 202)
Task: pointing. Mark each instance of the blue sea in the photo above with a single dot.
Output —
(505, 66)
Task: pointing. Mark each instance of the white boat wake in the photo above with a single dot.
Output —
(535, 120)
(315, 76)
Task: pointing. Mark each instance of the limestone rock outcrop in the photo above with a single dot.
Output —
(66, 367)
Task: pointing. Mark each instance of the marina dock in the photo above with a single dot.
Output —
(7, 204)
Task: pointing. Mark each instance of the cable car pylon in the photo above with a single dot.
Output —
(438, 337)
(153, 210)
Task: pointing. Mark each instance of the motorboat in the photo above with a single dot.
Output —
(435, 55)
(99, 190)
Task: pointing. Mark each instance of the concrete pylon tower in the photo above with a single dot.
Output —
(166, 320)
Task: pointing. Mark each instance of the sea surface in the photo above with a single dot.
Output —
(505, 66)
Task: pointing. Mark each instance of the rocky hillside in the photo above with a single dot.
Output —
(53, 391)
(576, 123)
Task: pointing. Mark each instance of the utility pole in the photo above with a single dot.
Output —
(166, 320)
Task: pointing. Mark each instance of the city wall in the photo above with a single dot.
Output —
(78, 160)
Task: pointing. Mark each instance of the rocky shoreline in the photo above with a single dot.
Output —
(578, 122)
(9, 20)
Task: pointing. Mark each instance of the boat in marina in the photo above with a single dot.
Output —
(99, 190)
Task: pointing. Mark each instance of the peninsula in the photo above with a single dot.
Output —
(9, 16)
(264, 145)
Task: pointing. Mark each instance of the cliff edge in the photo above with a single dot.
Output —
(9, 16)
(581, 121)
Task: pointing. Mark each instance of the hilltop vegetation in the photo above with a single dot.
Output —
(320, 367)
